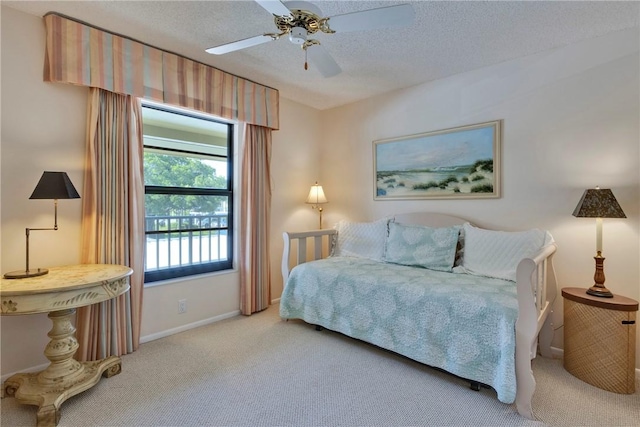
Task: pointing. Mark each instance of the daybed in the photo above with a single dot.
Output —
(434, 288)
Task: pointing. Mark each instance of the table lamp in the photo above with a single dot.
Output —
(598, 203)
(317, 198)
(52, 185)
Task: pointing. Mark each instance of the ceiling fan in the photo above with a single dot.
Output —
(300, 19)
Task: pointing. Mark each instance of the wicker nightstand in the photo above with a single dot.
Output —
(600, 339)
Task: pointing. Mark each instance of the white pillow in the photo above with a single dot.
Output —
(361, 239)
(497, 253)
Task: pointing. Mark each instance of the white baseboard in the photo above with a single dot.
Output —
(558, 353)
(32, 369)
(275, 301)
(168, 332)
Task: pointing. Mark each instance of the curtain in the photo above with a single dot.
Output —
(79, 54)
(255, 206)
(113, 221)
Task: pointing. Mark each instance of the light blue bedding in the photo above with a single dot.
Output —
(461, 323)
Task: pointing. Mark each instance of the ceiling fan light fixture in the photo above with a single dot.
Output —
(298, 35)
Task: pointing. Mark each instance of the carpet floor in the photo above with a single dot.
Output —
(263, 371)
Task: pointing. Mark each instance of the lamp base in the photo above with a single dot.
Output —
(600, 291)
(23, 274)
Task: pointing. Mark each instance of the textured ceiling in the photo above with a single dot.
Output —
(446, 38)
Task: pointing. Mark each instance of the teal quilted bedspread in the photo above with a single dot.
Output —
(461, 323)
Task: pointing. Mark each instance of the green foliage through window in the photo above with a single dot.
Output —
(180, 171)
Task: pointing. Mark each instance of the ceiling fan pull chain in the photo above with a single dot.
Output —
(306, 66)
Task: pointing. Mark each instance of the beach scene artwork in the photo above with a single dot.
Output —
(462, 162)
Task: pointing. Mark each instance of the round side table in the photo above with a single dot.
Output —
(59, 293)
(600, 339)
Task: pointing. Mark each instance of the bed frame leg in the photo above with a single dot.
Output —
(526, 383)
(319, 328)
(476, 385)
(546, 336)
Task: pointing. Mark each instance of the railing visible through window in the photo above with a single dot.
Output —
(177, 241)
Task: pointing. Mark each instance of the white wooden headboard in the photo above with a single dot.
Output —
(322, 239)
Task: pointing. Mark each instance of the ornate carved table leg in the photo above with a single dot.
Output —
(48, 416)
(64, 377)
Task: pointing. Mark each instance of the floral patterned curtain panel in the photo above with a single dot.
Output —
(79, 54)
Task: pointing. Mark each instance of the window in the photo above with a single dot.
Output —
(188, 170)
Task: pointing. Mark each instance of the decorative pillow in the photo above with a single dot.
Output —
(361, 239)
(433, 248)
(497, 253)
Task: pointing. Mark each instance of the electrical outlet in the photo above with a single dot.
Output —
(182, 306)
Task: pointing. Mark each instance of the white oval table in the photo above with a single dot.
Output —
(59, 293)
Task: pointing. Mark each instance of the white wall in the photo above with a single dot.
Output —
(43, 128)
(571, 122)
(295, 166)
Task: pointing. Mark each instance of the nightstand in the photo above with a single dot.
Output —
(600, 339)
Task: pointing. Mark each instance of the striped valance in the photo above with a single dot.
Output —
(79, 54)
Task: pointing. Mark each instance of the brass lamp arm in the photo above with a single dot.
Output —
(55, 228)
(38, 229)
(27, 232)
(55, 220)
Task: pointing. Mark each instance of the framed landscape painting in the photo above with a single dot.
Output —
(457, 163)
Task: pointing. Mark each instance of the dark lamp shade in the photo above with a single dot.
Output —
(55, 185)
(598, 203)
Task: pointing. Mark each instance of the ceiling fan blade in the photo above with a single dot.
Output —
(384, 17)
(320, 59)
(240, 44)
(274, 7)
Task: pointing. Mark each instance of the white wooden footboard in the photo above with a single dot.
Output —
(536, 285)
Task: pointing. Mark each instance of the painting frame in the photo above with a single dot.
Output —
(462, 162)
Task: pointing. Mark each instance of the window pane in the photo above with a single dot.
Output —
(188, 158)
(183, 170)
